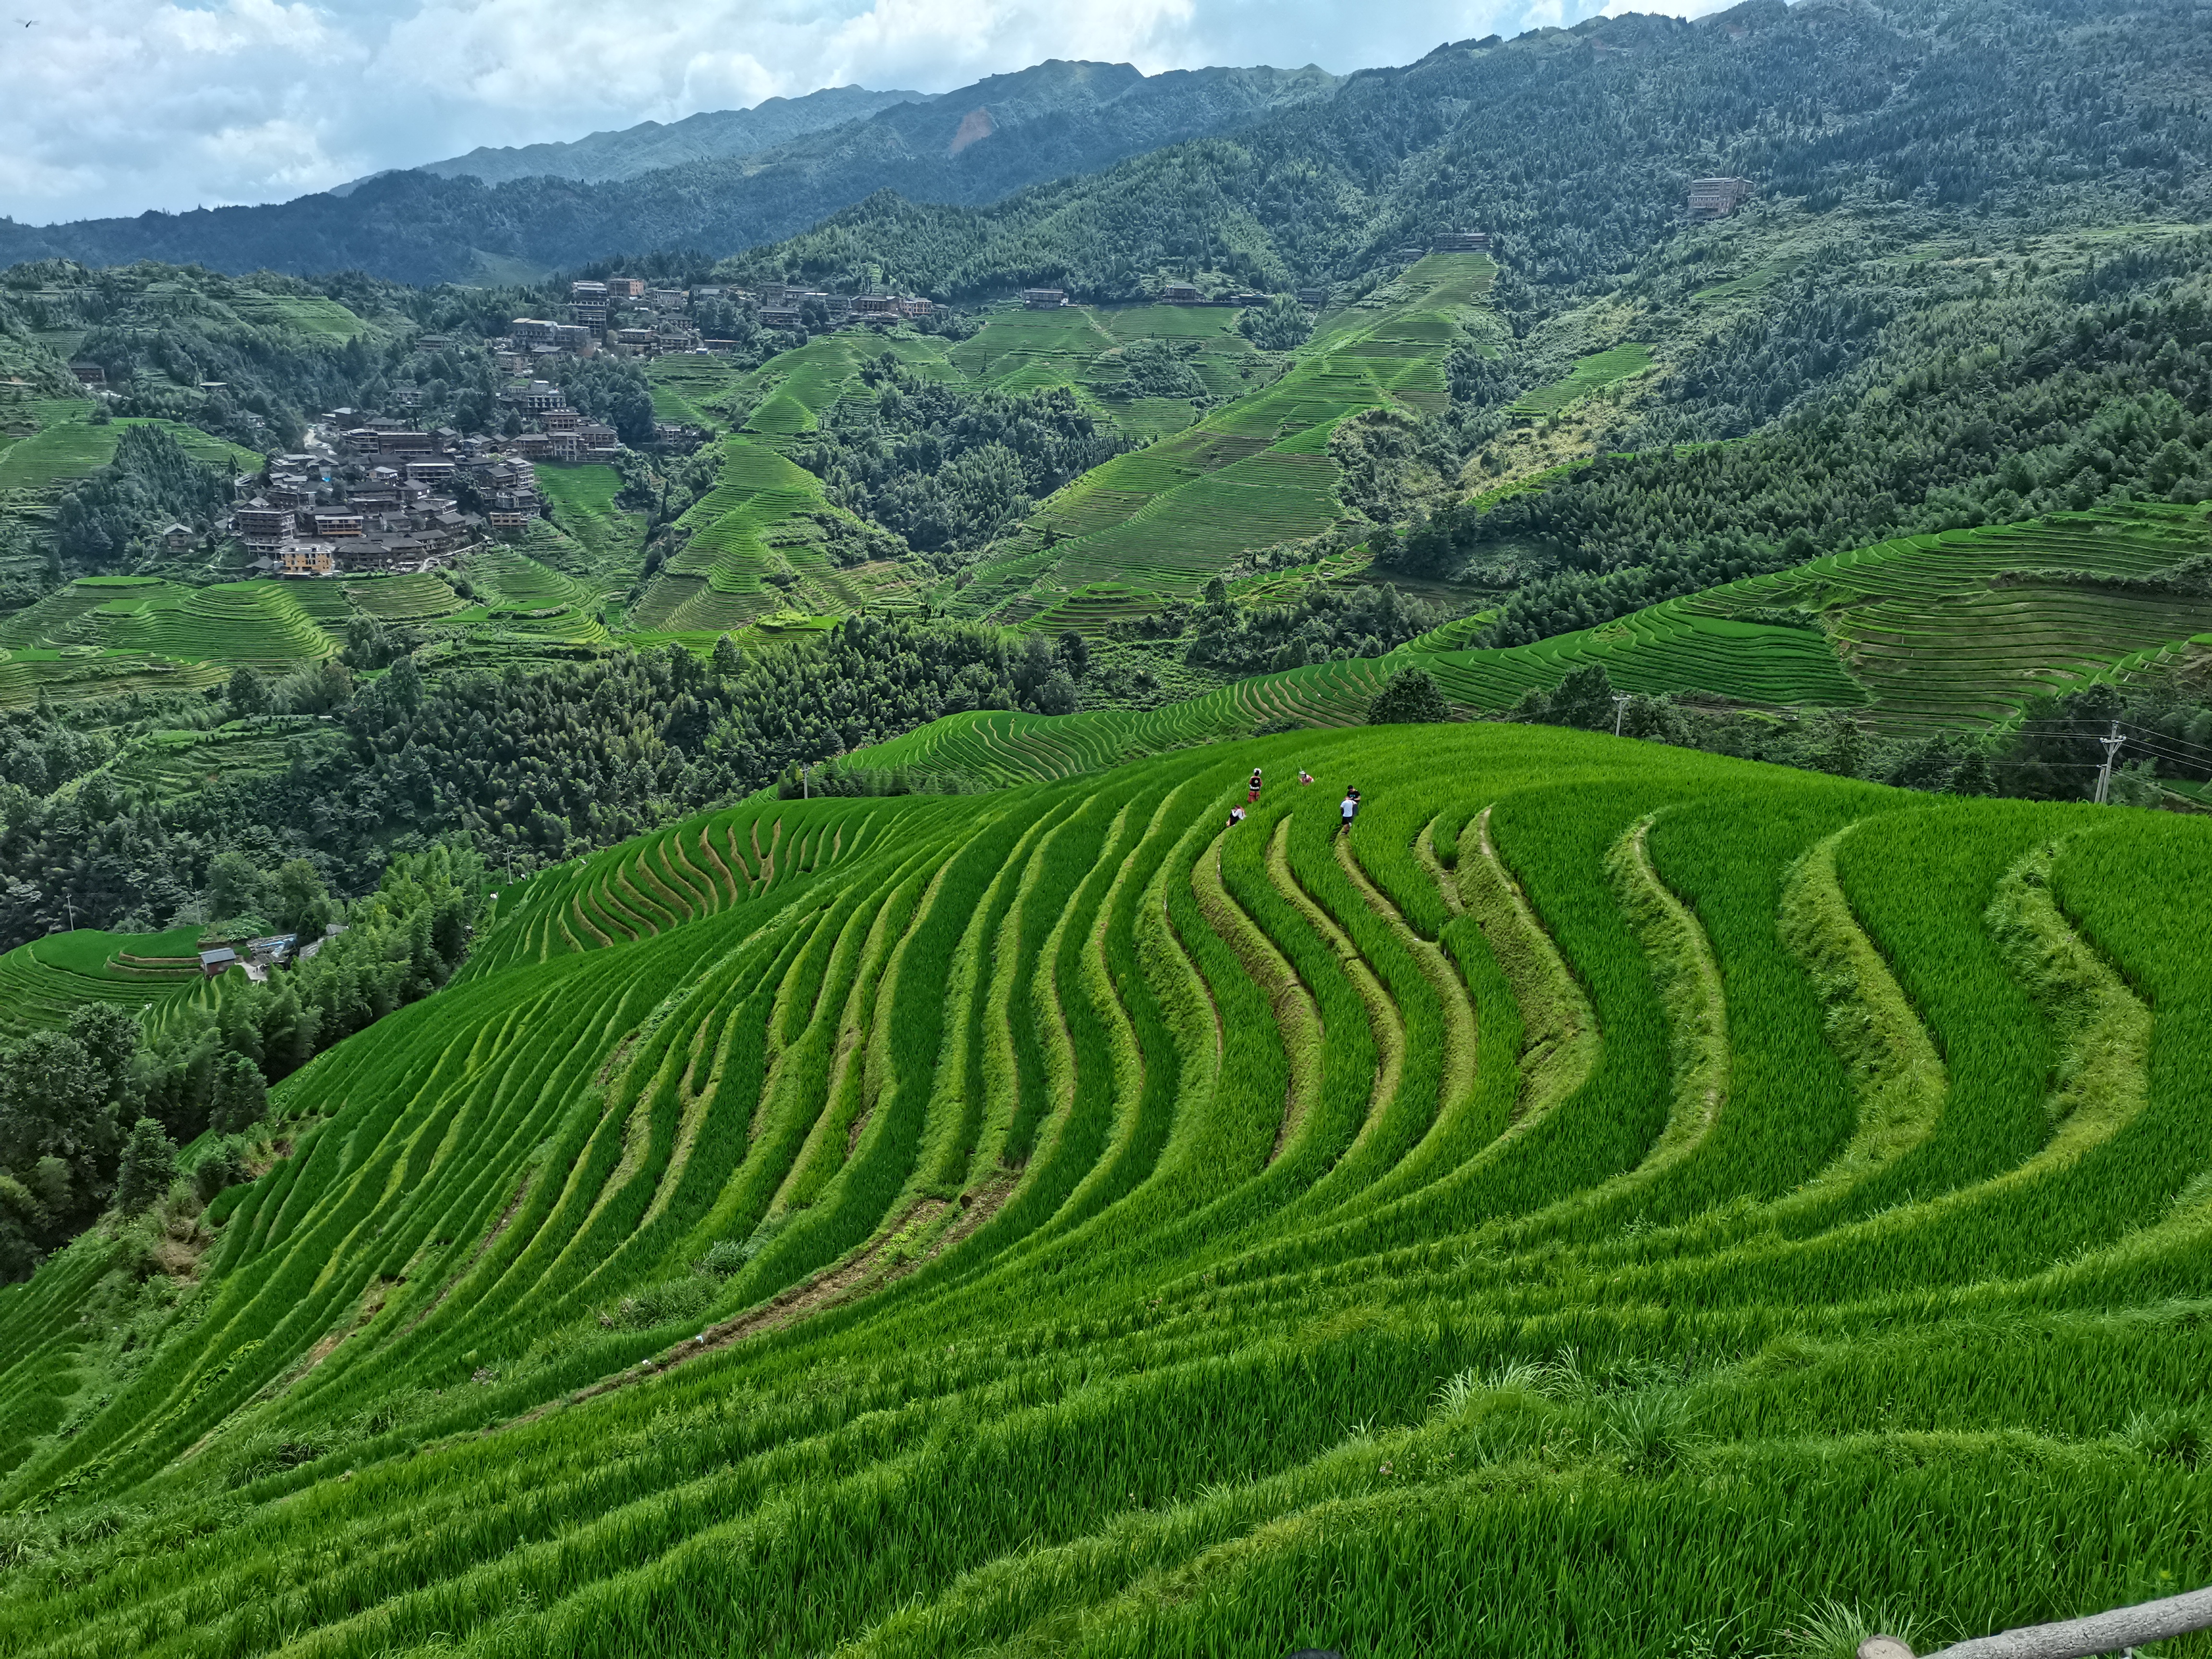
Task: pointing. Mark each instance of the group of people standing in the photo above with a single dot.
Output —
(1347, 809)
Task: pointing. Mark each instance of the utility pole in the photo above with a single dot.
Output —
(2105, 772)
(1619, 708)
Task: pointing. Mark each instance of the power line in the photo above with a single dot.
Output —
(2153, 739)
(2175, 755)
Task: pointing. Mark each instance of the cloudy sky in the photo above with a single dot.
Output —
(114, 107)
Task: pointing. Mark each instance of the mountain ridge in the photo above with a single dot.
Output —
(1051, 120)
(625, 152)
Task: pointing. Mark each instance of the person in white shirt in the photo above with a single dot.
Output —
(1346, 809)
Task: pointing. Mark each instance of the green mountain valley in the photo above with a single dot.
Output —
(1245, 862)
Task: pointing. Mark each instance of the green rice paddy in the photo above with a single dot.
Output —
(1253, 472)
(582, 502)
(1591, 373)
(303, 313)
(58, 454)
(1911, 635)
(792, 391)
(762, 520)
(1941, 631)
(1616, 1199)
(149, 974)
(166, 764)
(686, 386)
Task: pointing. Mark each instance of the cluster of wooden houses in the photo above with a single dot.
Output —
(625, 316)
(379, 497)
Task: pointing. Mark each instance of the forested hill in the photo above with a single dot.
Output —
(710, 135)
(971, 145)
(1574, 145)
(1573, 148)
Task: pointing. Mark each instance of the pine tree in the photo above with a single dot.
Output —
(246, 695)
(1411, 698)
(148, 1165)
(1972, 775)
(241, 1095)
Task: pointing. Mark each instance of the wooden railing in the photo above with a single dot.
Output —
(2072, 1638)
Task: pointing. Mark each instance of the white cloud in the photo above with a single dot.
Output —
(117, 106)
(245, 26)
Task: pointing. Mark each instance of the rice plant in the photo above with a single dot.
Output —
(1055, 1220)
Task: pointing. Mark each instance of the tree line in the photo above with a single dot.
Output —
(529, 768)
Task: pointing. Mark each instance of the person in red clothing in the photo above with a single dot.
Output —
(1253, 798)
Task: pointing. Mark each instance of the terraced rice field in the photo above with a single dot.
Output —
(1017, 351)
(1090, 610)
(1910, 634)
(1916, 634)
(308, 315)
(1672, 647)
(758, 520)
(1083, 346)
(326, 600)
(414, 598)
(1252, 473)
(1937, 638)
(793, 390)
(251, 625)
(684, 384)
(518, 582)
(58, 454)
(1614, 1201)
(59, 618)
(1591, 373)
(1652, 651)
(582, 499)
(167, 765)
(26, 675)
(43, 982)
(103, 635)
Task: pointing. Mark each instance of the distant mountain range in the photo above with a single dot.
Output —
(709, 136)
(967, 147)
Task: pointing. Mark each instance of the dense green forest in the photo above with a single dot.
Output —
(950, 471)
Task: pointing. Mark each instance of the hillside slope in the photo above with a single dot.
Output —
(1574, 148)
(1952, 632)
(1050, 1220)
